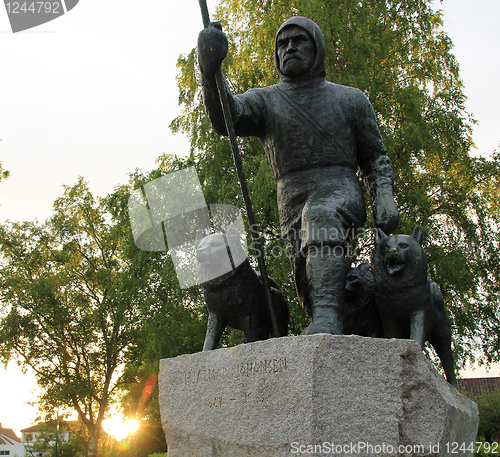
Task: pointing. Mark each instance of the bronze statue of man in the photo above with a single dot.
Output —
(316, 135)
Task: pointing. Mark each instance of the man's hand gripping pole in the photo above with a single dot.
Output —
(241, 177)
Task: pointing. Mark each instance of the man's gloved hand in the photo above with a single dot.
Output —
(212, 48)
(385, 213)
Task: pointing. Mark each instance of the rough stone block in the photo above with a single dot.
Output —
(312, 395)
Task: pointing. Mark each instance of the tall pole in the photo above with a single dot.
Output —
(219, 79)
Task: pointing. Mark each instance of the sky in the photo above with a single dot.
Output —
(93, 92)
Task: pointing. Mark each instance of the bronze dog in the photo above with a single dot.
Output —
(409, 301)
(234, 292)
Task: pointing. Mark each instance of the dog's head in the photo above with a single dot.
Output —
(400, 256)
(218, 254)
(359, 279)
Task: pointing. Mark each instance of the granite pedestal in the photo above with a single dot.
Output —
(312, 395)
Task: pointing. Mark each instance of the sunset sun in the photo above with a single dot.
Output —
(120, 427)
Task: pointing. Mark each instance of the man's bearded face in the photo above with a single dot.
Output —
(296, 51)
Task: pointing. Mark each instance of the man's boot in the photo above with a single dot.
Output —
(326, 277)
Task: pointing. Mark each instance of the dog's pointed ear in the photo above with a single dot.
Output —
(417, 234)
(379, 235)
(365, 266)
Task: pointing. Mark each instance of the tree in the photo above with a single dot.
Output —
(56, 438)
(69, 305)
(173, 323)
(398, 54)
(489, 416)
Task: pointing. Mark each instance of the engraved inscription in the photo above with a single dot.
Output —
(214, 402)
(262, 367)
(252, 368)
(206, 375)
(254, 397)
(247, 398)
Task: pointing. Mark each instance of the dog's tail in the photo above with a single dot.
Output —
(437, 296)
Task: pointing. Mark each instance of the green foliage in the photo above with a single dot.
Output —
(71, 440)
(69, 305)
(66, 450)
(174, 320)
(398, 54)
(489, 417)
(44, 442)
(486, 448)
(142, 443)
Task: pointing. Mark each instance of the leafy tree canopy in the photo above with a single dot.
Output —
(69, 307)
